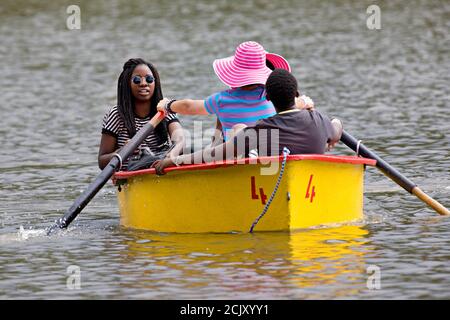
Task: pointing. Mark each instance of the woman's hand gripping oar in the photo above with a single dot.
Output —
(392, 173)
(114, 165)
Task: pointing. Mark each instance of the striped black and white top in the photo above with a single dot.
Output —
(114, 125)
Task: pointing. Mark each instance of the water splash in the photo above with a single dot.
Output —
(23, 234)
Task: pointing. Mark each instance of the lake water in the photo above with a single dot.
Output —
(390, 86)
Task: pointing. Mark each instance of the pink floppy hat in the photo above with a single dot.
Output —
(248, 65)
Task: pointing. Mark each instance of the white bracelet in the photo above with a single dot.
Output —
(357, 148)
(120, 160)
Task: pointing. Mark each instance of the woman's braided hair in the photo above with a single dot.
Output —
(125, 99)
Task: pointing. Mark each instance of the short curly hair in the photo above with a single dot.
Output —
(281, 89)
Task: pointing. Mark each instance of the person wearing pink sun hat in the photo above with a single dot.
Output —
(244, 103)
(248, 66)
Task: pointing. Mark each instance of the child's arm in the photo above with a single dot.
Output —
(186, 106)
(304, 102)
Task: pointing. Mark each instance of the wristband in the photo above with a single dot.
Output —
(167, 106)
(120, 160)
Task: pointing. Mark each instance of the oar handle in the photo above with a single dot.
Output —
(392, 173)
(430, 201)
(107, 172)
(128, 149)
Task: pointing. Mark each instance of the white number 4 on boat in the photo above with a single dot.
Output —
(374, 279)
(74, 277)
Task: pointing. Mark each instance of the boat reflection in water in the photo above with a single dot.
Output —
(265, 265)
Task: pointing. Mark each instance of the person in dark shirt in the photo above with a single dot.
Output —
(302, 131)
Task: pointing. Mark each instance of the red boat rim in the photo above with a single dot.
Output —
(263, 160)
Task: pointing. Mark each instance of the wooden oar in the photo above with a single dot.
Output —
(392, 173)
(106, 173)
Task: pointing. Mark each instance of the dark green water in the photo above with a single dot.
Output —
(390, 86)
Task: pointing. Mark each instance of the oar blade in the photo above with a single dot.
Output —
(86, 196)
(113, 165)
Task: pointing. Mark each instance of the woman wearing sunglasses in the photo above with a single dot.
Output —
(138, 94)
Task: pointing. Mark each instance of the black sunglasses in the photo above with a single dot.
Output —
(137, 79)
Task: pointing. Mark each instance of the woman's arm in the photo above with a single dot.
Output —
(218, 136)
(106, 150)
(176, 133)
(186, 106)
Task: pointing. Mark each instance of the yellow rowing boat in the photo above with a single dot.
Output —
(229, 196)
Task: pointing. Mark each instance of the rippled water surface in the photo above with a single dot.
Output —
(390, 86)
